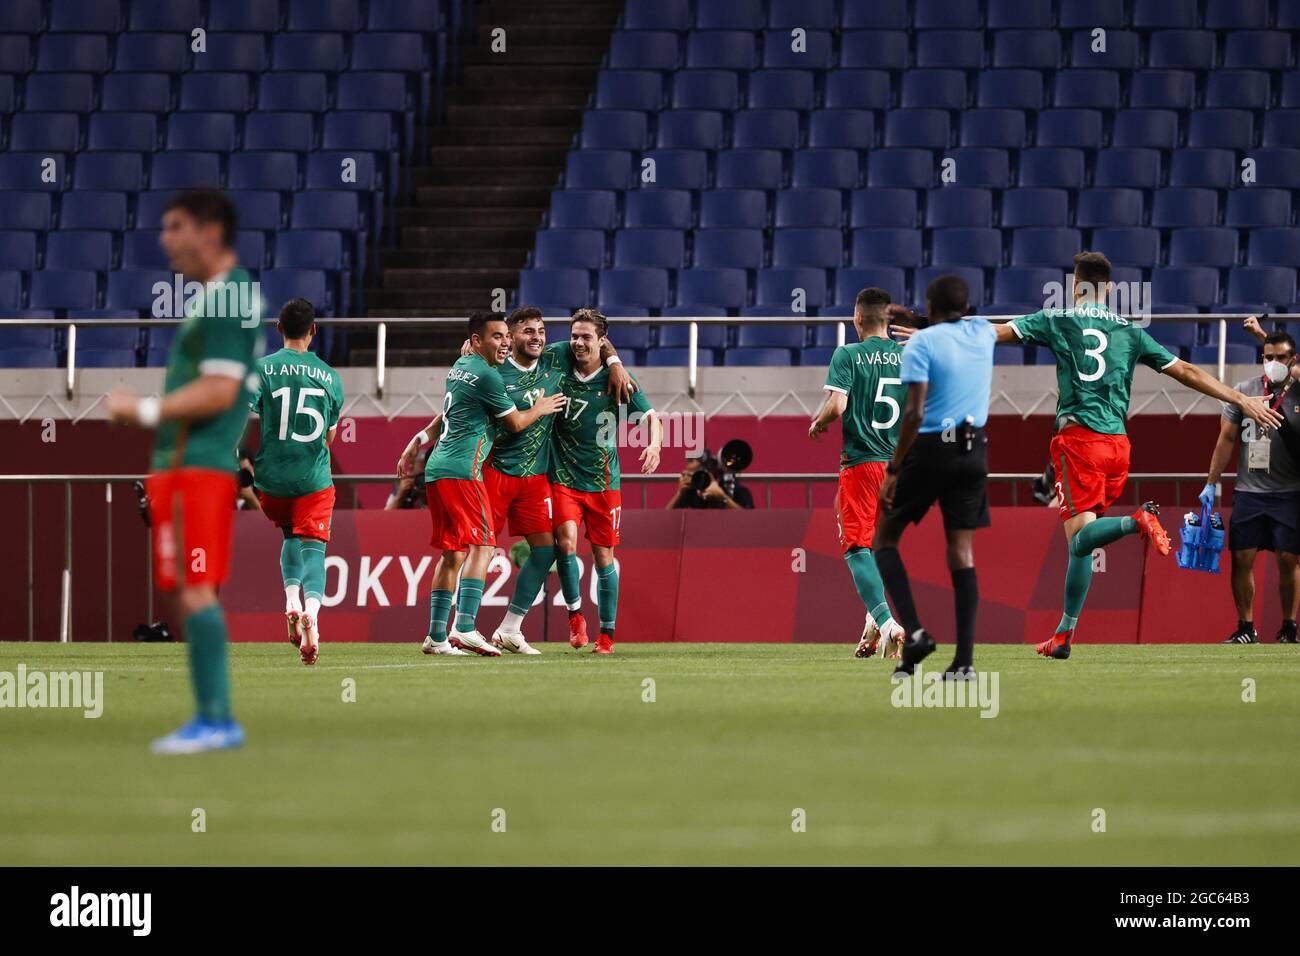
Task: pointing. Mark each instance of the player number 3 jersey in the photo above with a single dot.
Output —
(868, 373)
(298, 400)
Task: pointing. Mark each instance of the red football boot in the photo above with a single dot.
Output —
(1149, 526)
(577, 630)
(291, 624)
(604, 645)
(1058, 646)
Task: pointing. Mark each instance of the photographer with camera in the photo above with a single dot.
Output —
(706, 484)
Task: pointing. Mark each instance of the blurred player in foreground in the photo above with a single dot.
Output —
(1096, 352)
(297, 399)
(585, 475)
(865, 388)
(199, 421)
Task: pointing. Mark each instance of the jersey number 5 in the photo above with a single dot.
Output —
(888, 400)
(317, 419)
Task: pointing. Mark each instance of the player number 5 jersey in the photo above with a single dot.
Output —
(868, 373)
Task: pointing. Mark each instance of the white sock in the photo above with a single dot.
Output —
(512, 622)
(313, 607)
(291, 598)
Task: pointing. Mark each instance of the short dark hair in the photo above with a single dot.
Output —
(1092, 267)
(523, 314)
(478, 321)
(871, 300)
(208, 205)
(296, 317)
(947, 296)
(593, 316)
(1280, 338)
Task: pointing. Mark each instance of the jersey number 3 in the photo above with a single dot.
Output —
(1102, 342)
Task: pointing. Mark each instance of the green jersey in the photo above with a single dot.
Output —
(1096, 352)
(868, 373)
(475, 398)
(529, 452)
(586, 436)
(214, 339)
(298, 398)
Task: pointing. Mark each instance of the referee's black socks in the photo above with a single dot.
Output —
(966, 597)
(894, 575)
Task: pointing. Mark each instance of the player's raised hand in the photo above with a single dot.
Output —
(122, 407)
(650, 459)
(465, 349)
(620, 385)
(1253, 406)
(1251, 325)
(550, 404)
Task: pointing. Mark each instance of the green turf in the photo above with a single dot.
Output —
(586, 772)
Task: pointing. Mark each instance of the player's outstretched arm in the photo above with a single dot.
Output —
(421, 438)
(1194, 377)
(205, 397)
(831, 409)
(517, 421)
(1224, 446)
(650, 456)
(1006, 334)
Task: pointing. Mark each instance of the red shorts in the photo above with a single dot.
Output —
(857, 503)
(191, 510)
(461, 514)
(1091, 469)
(308, 516)
(526, 501)
(602, 510)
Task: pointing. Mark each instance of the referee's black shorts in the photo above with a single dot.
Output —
(943, 471)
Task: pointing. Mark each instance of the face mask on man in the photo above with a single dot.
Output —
(1276, 372)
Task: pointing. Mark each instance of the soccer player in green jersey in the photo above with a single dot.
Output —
(297, 400)
(199, 421)
(865, 387)
(585, 476)
(474, 407)
(1096, 353)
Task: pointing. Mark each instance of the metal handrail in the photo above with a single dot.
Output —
(381, 332)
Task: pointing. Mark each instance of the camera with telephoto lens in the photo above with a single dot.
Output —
(735, 457)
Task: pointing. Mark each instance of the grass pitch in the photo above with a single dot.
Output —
(713, 771)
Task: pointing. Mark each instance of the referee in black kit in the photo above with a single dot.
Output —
(942, 455)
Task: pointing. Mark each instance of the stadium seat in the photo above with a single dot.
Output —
(1010, 89)
(1086, 89)
(140, 250)
(967, 247)
(721, 50)
(212, 132)
(645, 288)
(1257, 50)
(689, 129)
(670, 357)
(311, 249)
(643, 50)
(815, 51)
(1081, 129)
(20, 170)
(1045, 247)
(136, 92)
(45, 132)
(819, 248)
(28, 358)
(1128, 246)
(614, 129)
(1274, 285)
(17, 251)
(258, 209)
(780, 89)
(729, 248)
(308, 52)
(1237, 89)
(963, 49)
(62, 289)
(710, 335)
(1121, 51)
(974, 279)
(1203, 168)
(809, 207)
(657, 208)
(958, 206)
(581, 209)
(1206, 246)
(938, 89)
(825, 168)
(569, 287)
(876, 49)
(1181, 49)
(1154, 129)
(1162, 89)
(22, 16)
(657, 15)
(758, 357)
(709, 287)
(703, 90)
(258, 170)
(1022, 284)
(175, 16)
(1224, 129)
(1055, 167)
(678, 168)
(132, 289)
(93, 209)
(28, 210)
(327, 209)
(651, 248)
(1258, 206)
(901, 168)
(1274, 247)
(598, 169)
(1027, 49)
(813, 14)
(922, 129)
(858, 89)
(734, 208)
(182, 170)
(778, 286)
(882, 206)
(1235, 354)
(569, 249)
(849, 282)
(166, 53)
(1277, 167)
(281, 285)
(120, 171)
(1282, 128)
(1196, 286)
(79, 250)
(749, 169)
(1109, 207)
(836, 128)
(629, 90)
(1127, 167)
(60, 92)
(887, 247)
(766, 129)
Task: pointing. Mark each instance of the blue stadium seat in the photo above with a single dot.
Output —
(109, 170)
(887, 247)
(279, 131)
(217, 92)
(598, 169)
(876, 49)
(667, 357)
(28, 210)
(721, 50)
(728, 248)
(136, 92)
(1127, 167)
(1203, 168)
(657, 208)
(63, 289)
(734, 208)
(814, 52)
(403, 15)
(1128, 245)
(28, 358)
(776, 286)
(958, 206)
(1121, 51)
(1154, 129)
(16, 54)
(996, 128)
(301, 92)
(1040, 247)
(649, 248)
(1027, 49)
(1060, 168)
(712, 335)
(308, 52)
(1236, 355)
(140, 250)
(1162, 89)
(937, 89)
(1258, 206)
(1194, 285)
(1109, 207)
(1032, 206)
(1181, 49)
(819, 248)
(1290, 98)
(1081, 129)
(1274, 285)
(705, 90)
(882, 206)
(106, 358)
(1181, 208)
(250, 246)
(629, 90)
(689, 129)
(21, 16)
(1274, 247)
(1225, 129)
(132, 289)
(252, 15)
(85, 16)
(357, 129)
(780, 90)
(1010, 89)
(176, 16)
(11, 290)
(131, 132)
(60, 92)
(643, 50)
(858, 89)
(30, 171)
(582, 209)
(974, 279)
(678, 168)
(45, 132)
(766, 129)
(771, 335)
(850, 281)
(809, 207)
(810, 14)
(281, 285)
(1257, 50)
(182, 170)
(1157, 14)
(1237, 89)
(1206, 246)
(729, 14)
(644, 288)
(817, 355)
(311, 249)
(1023, 284)
(710, 287)
(1178, 337)
(339, 16)
(258, 209)
(901, 168)
(80, 250)
(967, 247)
(8, 93)
(749, 169)
(923, 129)
(1019, 14)
(327, 209)
(826, 168)
(258, 170)
(390, 51)
(17, 250)
(758, 357)
(1281, 128)
(876, 15)
(570, 287)
(976, 166)
(1277, 167)
(94, 337)
(950, 48)
(93, 209)
(657, 15)
(569, 249)
(161, 53)
(614, 129)
(325, 170)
